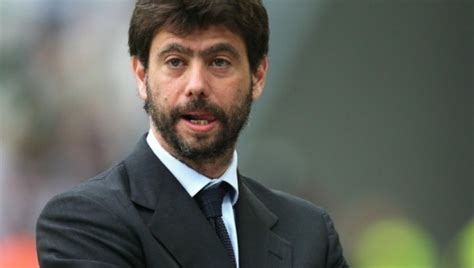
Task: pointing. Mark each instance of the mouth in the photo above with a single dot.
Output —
(200, 121)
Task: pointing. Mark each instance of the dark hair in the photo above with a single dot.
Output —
(247, 18)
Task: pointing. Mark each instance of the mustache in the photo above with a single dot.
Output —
(199, 104)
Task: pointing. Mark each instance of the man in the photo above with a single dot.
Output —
(178, 199)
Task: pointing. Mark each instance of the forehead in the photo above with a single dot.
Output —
(199, 39)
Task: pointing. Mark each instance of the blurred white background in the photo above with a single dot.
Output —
(368, 112)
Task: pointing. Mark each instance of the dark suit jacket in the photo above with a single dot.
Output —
(137, 214)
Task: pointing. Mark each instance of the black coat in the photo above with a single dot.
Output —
(137, 214)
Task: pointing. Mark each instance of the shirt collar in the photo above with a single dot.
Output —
(191, 180)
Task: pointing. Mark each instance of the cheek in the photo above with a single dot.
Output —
(231, 97)
(172, 88)
(243, 89)
(165, 91)
(235, 87)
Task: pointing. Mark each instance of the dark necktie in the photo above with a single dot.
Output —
(210, 202)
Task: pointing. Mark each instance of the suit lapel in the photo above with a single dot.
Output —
(177, 222)
(259, 246)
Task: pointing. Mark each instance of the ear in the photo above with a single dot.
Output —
(139, 72)
(258, 78)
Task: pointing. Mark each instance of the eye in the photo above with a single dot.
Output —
(220, 62)
(175, 62)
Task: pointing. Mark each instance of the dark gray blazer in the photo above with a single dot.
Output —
(136, 214)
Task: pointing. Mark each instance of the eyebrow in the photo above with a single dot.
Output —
(174, 47)
(217, 48)
(220, 47)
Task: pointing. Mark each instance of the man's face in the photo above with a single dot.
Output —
(198, 91)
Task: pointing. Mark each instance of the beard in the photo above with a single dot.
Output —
(201, 147)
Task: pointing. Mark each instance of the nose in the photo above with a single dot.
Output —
(197, 85)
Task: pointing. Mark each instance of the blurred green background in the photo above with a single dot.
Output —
(368, 112)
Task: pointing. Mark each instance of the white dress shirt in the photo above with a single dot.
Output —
(193, 182)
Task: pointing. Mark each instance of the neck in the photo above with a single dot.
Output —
(211, 168)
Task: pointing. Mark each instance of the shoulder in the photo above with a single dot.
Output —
(88, 221)
(282, 202)
(102, 189)
(307, 226)
(105, 194)
(294, 214)
(100, 194)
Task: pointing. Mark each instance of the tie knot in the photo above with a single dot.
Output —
(210, 200)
